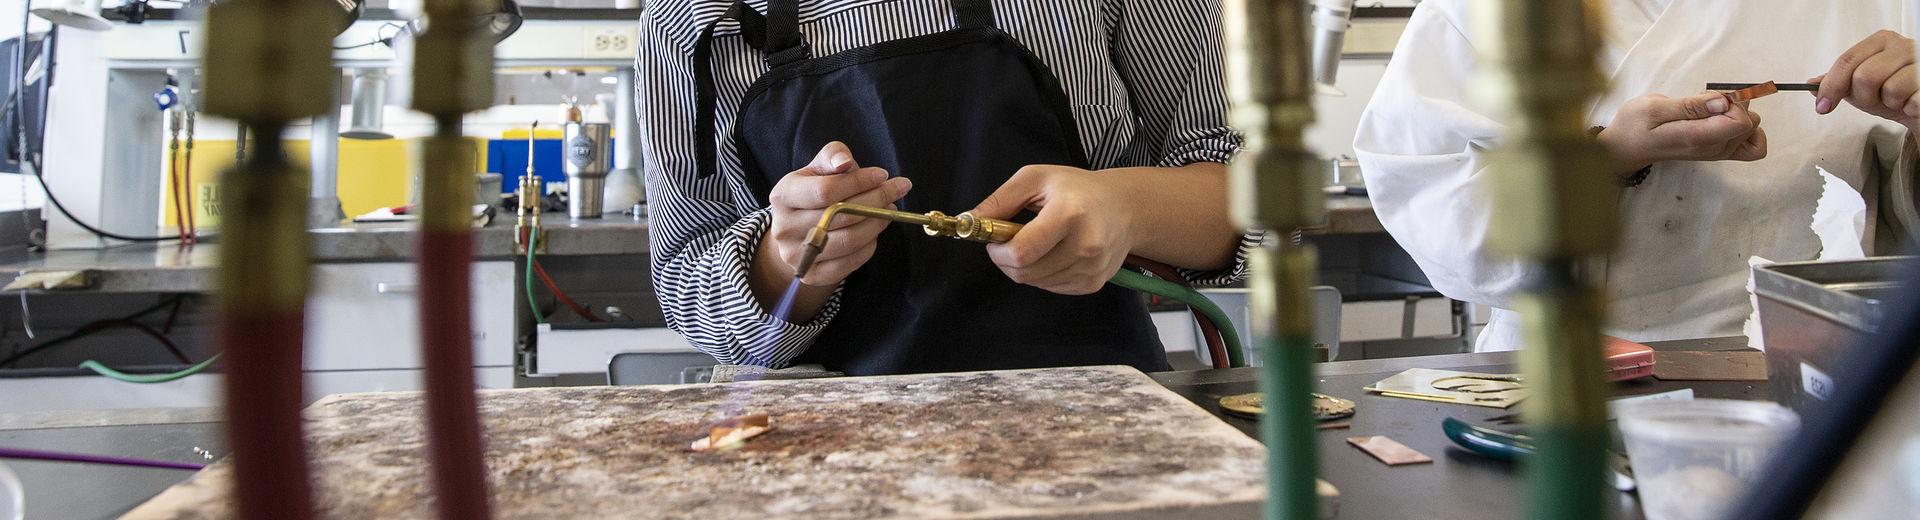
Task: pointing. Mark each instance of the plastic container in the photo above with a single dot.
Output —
(1694, 458)
(13, 499)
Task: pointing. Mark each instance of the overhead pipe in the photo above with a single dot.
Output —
(323, 153)
(367, 105)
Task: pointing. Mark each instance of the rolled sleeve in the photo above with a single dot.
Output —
(705, 296)
(1168, 54)
(1233, 273)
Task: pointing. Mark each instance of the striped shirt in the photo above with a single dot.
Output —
(1143, 77)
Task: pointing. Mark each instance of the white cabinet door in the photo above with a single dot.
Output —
(363, 316)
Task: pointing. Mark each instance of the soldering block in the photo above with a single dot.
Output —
(1067, 443)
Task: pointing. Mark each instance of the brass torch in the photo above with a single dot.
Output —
(964, 226)
(452, 75)
(1275, 187)
(1556, 210)
(269, 63)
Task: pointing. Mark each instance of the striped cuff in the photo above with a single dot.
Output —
(1218, 145)
(1234, 273)
(1208, 145)
(763, 339)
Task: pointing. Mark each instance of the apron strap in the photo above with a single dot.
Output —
(753, 28)
(973, 13)
(777, 36)
(784, 44)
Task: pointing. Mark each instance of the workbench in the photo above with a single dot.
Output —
(167, 267)
(1456, 485)
(1349, 215)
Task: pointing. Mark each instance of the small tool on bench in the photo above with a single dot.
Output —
(1803, 87)
(1512, 447)
(1743, 92)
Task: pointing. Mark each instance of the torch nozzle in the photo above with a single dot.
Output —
(964, 226)
(816, 242)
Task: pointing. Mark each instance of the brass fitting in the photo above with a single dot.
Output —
(1275, 185)
(965, 226)
(453, 65)
(816, 242)
(268, 63)
(1540, 76)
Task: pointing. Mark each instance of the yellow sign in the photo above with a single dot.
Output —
(373, 175)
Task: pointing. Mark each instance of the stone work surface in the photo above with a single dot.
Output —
(1098, 442)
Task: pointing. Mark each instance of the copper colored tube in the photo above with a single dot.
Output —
(262, 302)
(174, 173)
(817, 237)
(193, 230)
(964, 226)
(452, 76)
(446, 333)
(1753, 92)
(1805, 87)
(554, 287)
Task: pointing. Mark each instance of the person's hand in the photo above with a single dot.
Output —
(1701, 127)
(800, 197)
(1876, 76)
(1079, 238)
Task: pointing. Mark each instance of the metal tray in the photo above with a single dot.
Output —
(1847, 293)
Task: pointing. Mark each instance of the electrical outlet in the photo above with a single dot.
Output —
(610, 42)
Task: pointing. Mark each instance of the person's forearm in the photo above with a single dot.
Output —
(1180, 215)
(771, 277)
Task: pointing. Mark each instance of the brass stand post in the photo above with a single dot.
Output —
(1275, 187)
(270, 63)
(453, 75)
(1556, 206)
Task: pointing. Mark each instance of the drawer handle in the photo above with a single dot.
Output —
(395, 288)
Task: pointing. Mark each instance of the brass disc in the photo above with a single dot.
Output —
(1325, 407)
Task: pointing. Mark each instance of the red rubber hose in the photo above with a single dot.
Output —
(1216, 347)
(459, 471)
(558, 294)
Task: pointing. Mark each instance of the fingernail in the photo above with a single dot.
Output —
(1823, 105)
(1717, 105)
(876, 175)
(905, 186)
(839, 161)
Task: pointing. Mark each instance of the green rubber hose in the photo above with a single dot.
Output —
(1155, 286)
(146, 379)
(533, 304)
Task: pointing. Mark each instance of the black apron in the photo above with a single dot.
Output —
(958, 112)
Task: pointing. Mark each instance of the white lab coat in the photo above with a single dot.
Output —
(1680, 268)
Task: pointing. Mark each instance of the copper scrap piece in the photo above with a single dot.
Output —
(1389, 451)
(1752, 93)
(733, 432)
